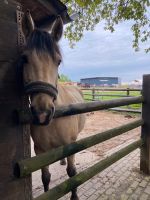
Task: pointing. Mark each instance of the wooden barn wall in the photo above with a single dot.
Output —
(14, 138)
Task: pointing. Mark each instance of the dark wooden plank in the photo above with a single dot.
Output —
(13, 191)
(6, 55)
(14, 145)
(14, 138)
(7, 119)
(13, 149)
(8, 7)
(8, 30)
(8, 40)
(145, 150)
(9, 86)
(7, 73)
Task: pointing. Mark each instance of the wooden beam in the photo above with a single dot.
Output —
(79, 108)
(51, 5)
(14, 139)
(145, 150)
(25, 167)
(25, 116)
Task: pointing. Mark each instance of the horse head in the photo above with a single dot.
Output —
(40, 61)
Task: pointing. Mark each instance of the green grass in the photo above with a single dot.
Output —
(101, 98)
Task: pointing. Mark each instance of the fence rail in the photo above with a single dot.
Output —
(107, 95)
(103, 90)
(113, 89)
(27, 166)
(79, 108)
(138, 111)
(104, 93)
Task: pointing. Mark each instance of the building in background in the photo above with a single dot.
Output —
(100, 82)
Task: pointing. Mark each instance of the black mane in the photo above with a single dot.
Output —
(42, 41)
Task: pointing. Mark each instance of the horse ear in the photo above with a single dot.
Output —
(57, 29)
(27, 24)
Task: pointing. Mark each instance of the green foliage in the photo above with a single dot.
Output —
(64, 78)
(91, 12)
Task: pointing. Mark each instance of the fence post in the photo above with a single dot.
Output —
(93, 94)
(145, 132)
(14, 138)
(128, 91)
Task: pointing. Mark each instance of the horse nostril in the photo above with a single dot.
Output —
(42, 117)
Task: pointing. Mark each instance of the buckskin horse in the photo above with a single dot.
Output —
(40, 61)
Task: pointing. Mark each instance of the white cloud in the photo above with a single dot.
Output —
(101, 53)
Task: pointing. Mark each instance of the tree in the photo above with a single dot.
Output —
(63, 78)
(91, 12)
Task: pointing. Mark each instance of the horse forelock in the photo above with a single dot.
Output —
(42, 42)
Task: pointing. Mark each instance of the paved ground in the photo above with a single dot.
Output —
(121, 181)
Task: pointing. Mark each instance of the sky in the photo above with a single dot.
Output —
(101, 53)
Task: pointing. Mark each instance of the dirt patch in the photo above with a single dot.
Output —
(100, 121)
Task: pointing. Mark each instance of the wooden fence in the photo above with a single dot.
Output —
(25, 167)
(15, 179)
(95, 94)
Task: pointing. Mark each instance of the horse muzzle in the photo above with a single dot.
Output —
(42, 117)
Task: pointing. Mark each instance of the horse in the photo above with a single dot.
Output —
(39, 62)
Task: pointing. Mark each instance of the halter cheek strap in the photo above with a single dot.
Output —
(41, 87)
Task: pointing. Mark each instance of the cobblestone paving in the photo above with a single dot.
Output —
(120, 181)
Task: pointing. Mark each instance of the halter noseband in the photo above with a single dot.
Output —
(41, 87)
